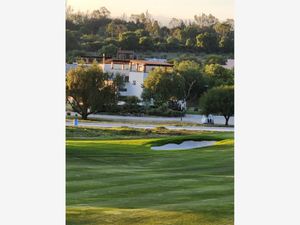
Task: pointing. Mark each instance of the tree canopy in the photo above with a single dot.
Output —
(92, 31)
(88, 89)
(218, 100)
(162, 86)
(218, 75)
(194, 83)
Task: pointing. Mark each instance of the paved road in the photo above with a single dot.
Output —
(111, 125)
(188, 118)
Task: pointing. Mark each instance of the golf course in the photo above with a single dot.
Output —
(113, 177)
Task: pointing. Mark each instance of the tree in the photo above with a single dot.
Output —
(226, 43)
(190, 32)
(71, 42)
(219, 100)
(191, 72)
(91, 42)
(88, 89)
(162, 85)
(207, 41)
(115, 29)
(172, 43)
(109, 50)
(142, 33)
(205, 20)
(225, 36)
(215, 59)
(100, 13)
(129, 40)
(190, 43)
(218, 75)
(146, 43)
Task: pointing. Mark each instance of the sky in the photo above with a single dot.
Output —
(160, 9)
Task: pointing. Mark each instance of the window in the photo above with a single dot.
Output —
(122, 89)
(134, 82)
(140, 68)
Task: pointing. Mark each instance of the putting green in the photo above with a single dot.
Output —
(124, 182)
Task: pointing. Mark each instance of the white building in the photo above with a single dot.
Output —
(134, 72)
(229, 64)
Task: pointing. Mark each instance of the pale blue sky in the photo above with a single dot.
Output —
(185, 9)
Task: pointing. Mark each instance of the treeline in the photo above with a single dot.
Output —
(96, 32)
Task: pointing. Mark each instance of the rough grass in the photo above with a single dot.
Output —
(124, 182)
(120, 133)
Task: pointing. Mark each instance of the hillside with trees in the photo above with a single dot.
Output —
(97, 32)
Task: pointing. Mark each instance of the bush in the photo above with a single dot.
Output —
(160, 128)
(164, 111)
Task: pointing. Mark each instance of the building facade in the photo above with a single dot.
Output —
(134, 73)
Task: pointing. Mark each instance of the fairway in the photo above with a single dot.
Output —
(124, 182)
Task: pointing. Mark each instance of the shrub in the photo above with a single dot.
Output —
(164, 111)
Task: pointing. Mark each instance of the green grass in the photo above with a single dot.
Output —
(123, 182)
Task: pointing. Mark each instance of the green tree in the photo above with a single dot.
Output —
(146, 43)
(218, 75)
(194, 84)
(215, 59)
(129, 40)
(225, 36)
(71, 41)
(219, 100)
(207, 41)
(109, 50)
(190, 32)
(88, 89)
(172, 43)
(162, 85)
(115, 29)
(190, 43)
(142, 33)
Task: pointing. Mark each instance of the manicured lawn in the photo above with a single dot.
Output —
(124, 182)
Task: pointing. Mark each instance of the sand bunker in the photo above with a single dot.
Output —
(184, 145)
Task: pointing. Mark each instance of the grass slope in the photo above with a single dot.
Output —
(124, 182)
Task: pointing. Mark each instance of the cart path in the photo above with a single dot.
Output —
(196, 119)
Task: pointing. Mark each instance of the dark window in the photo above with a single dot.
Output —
(123, 89)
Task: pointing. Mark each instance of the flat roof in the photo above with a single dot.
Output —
(117, 61)
(151, 63)
(136, 61)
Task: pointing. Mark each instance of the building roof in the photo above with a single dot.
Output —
(151, 63)
(141, 62)
(117, 61)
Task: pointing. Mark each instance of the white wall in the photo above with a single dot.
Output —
(135, 90)
(70, 66)
(117, 69)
